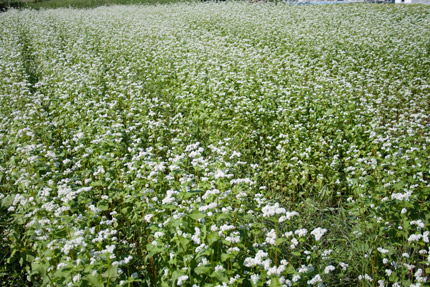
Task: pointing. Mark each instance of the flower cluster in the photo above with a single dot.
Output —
(235, 145)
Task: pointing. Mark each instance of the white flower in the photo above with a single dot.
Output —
(282, 219)
(266, 264)
(315, 280)
(418, 275)
(258, 260)
(158, 234)
(318, 233)
(271, 237)
(234, 237)
(385, 260)
(328, 269)
(401, 196)
(366, 277)
(426, 237)
(294, 243)
(271, 210)
(275, 270)
(303, 269)
(110, 248)
(148, 217)
(290, 214)
(343, 265)
(326, 253)
(418, 223)
(169, 197)
(77, 278)
(233, 279)
(225, 228)
(254, 278)
(301, 232)
(200, 247)
(233, 249)
(182, 279)
(196, 235)
(219, 174)
(414, 237)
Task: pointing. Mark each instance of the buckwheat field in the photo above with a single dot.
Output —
(215, 144)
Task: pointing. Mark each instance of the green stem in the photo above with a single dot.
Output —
(276, 244)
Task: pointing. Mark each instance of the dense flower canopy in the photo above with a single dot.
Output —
(216, 145)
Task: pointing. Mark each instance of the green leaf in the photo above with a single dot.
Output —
(175, 276)
(290, 269)
(184, 242)
(103, 205)
(39, 268)
(112, 272)
(223, 216)
(90, 280)
(7, 201)
(274, 282)
(197, 215)
(29, 258)
(225, 257)
(281, 240)
(330, 112)
(195, 191)
(220, 276)
(173, 261)
(205, 252)
(97, 183)
(202, 270)
(153, 249)
(212, 237)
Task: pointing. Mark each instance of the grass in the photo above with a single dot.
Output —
(52, 4)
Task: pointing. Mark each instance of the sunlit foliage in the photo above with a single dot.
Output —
(215, 145)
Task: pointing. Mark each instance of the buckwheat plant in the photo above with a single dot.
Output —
(215, 144)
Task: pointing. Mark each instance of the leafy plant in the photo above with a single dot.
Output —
(215, 145)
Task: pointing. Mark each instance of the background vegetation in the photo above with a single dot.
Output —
(199, 144)
(47, 4)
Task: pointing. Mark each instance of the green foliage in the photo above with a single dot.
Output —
(52, 4)
(215, 145)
